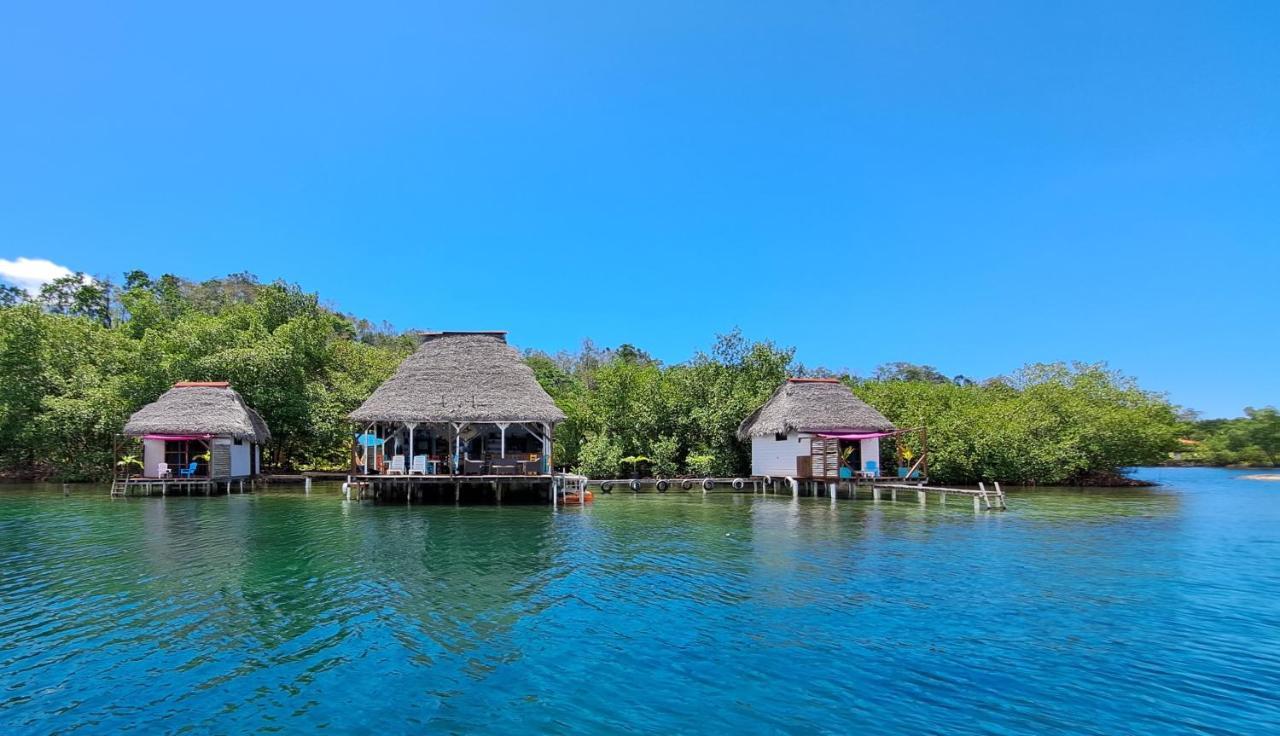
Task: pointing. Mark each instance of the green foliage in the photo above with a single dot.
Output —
(70, 376)
(11, 296)
(1251, 440)
(601, 457)
(77, 360)
(622, 403)
(1049, 423)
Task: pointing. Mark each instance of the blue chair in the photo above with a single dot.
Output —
(873, 469)
(189, 471)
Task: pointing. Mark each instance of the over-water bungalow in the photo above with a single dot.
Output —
(816, 429)
(463, 412)
(198, 433)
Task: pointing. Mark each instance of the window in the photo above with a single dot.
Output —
(238, 441)
(780, 436)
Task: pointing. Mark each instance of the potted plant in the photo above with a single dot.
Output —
(635, 461)
(128, 461)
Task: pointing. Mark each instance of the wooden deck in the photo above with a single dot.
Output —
(877, 488)
(453, 488)
(179, 486)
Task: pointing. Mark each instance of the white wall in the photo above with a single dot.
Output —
(777, 459)
(152, 456)
(870, 450)
(240, 459)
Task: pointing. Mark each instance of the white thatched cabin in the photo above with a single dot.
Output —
(815, 428)
(194, 419)
(462, 403)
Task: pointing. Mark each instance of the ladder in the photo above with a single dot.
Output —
(993, 499)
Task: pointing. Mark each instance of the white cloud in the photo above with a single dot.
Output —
(31, 273)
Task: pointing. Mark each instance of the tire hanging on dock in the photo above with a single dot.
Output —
(606, 487)
(661, 485)
(708, 484)
(635, 486)
(739, 484)
(686, 484)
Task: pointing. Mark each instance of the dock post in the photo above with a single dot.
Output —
(831, 490)
(977, 503)
(893, 494)
(944, 498)
(457, 491)
(875, 494)
(920, 497)
(306, 485)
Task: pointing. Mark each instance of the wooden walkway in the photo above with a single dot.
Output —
(991, 500)
(983, 498)
(184, 486)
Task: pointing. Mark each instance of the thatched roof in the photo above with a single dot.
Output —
(461, 377)
(812, 405)
(211, 407)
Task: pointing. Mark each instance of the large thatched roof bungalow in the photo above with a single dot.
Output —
(816, 428)
(195, 419)
(463, 402)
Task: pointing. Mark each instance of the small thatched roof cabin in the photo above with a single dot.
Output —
(456, 397)
(198, 417)
(812, 405)
(803, 429)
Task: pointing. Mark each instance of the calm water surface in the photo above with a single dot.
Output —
(1153, 611)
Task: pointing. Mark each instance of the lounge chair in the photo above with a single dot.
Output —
(422, 466)
(473, 467)
(189, 471)
(397, 465)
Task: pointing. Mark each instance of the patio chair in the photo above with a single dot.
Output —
(473, 467)
(504, 467)
(189, 471)
(162, 470)
(397, 466)
(872, 469)
(420, 465)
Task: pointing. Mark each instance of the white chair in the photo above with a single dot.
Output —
(419, 465)
(162, 470)
(397, 465)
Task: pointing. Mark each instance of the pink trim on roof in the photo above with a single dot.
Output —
(176, 436)
(855, 436)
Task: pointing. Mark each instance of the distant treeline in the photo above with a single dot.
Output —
(80, 357)
(1249, 441)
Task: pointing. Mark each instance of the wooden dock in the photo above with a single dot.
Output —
(179, 486)
(408, 488)
(877, 488)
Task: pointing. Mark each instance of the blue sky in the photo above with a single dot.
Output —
(971, 185)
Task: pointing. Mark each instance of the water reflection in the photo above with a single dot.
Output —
(734, 613)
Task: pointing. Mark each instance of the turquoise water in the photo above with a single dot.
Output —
(1150, 611)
